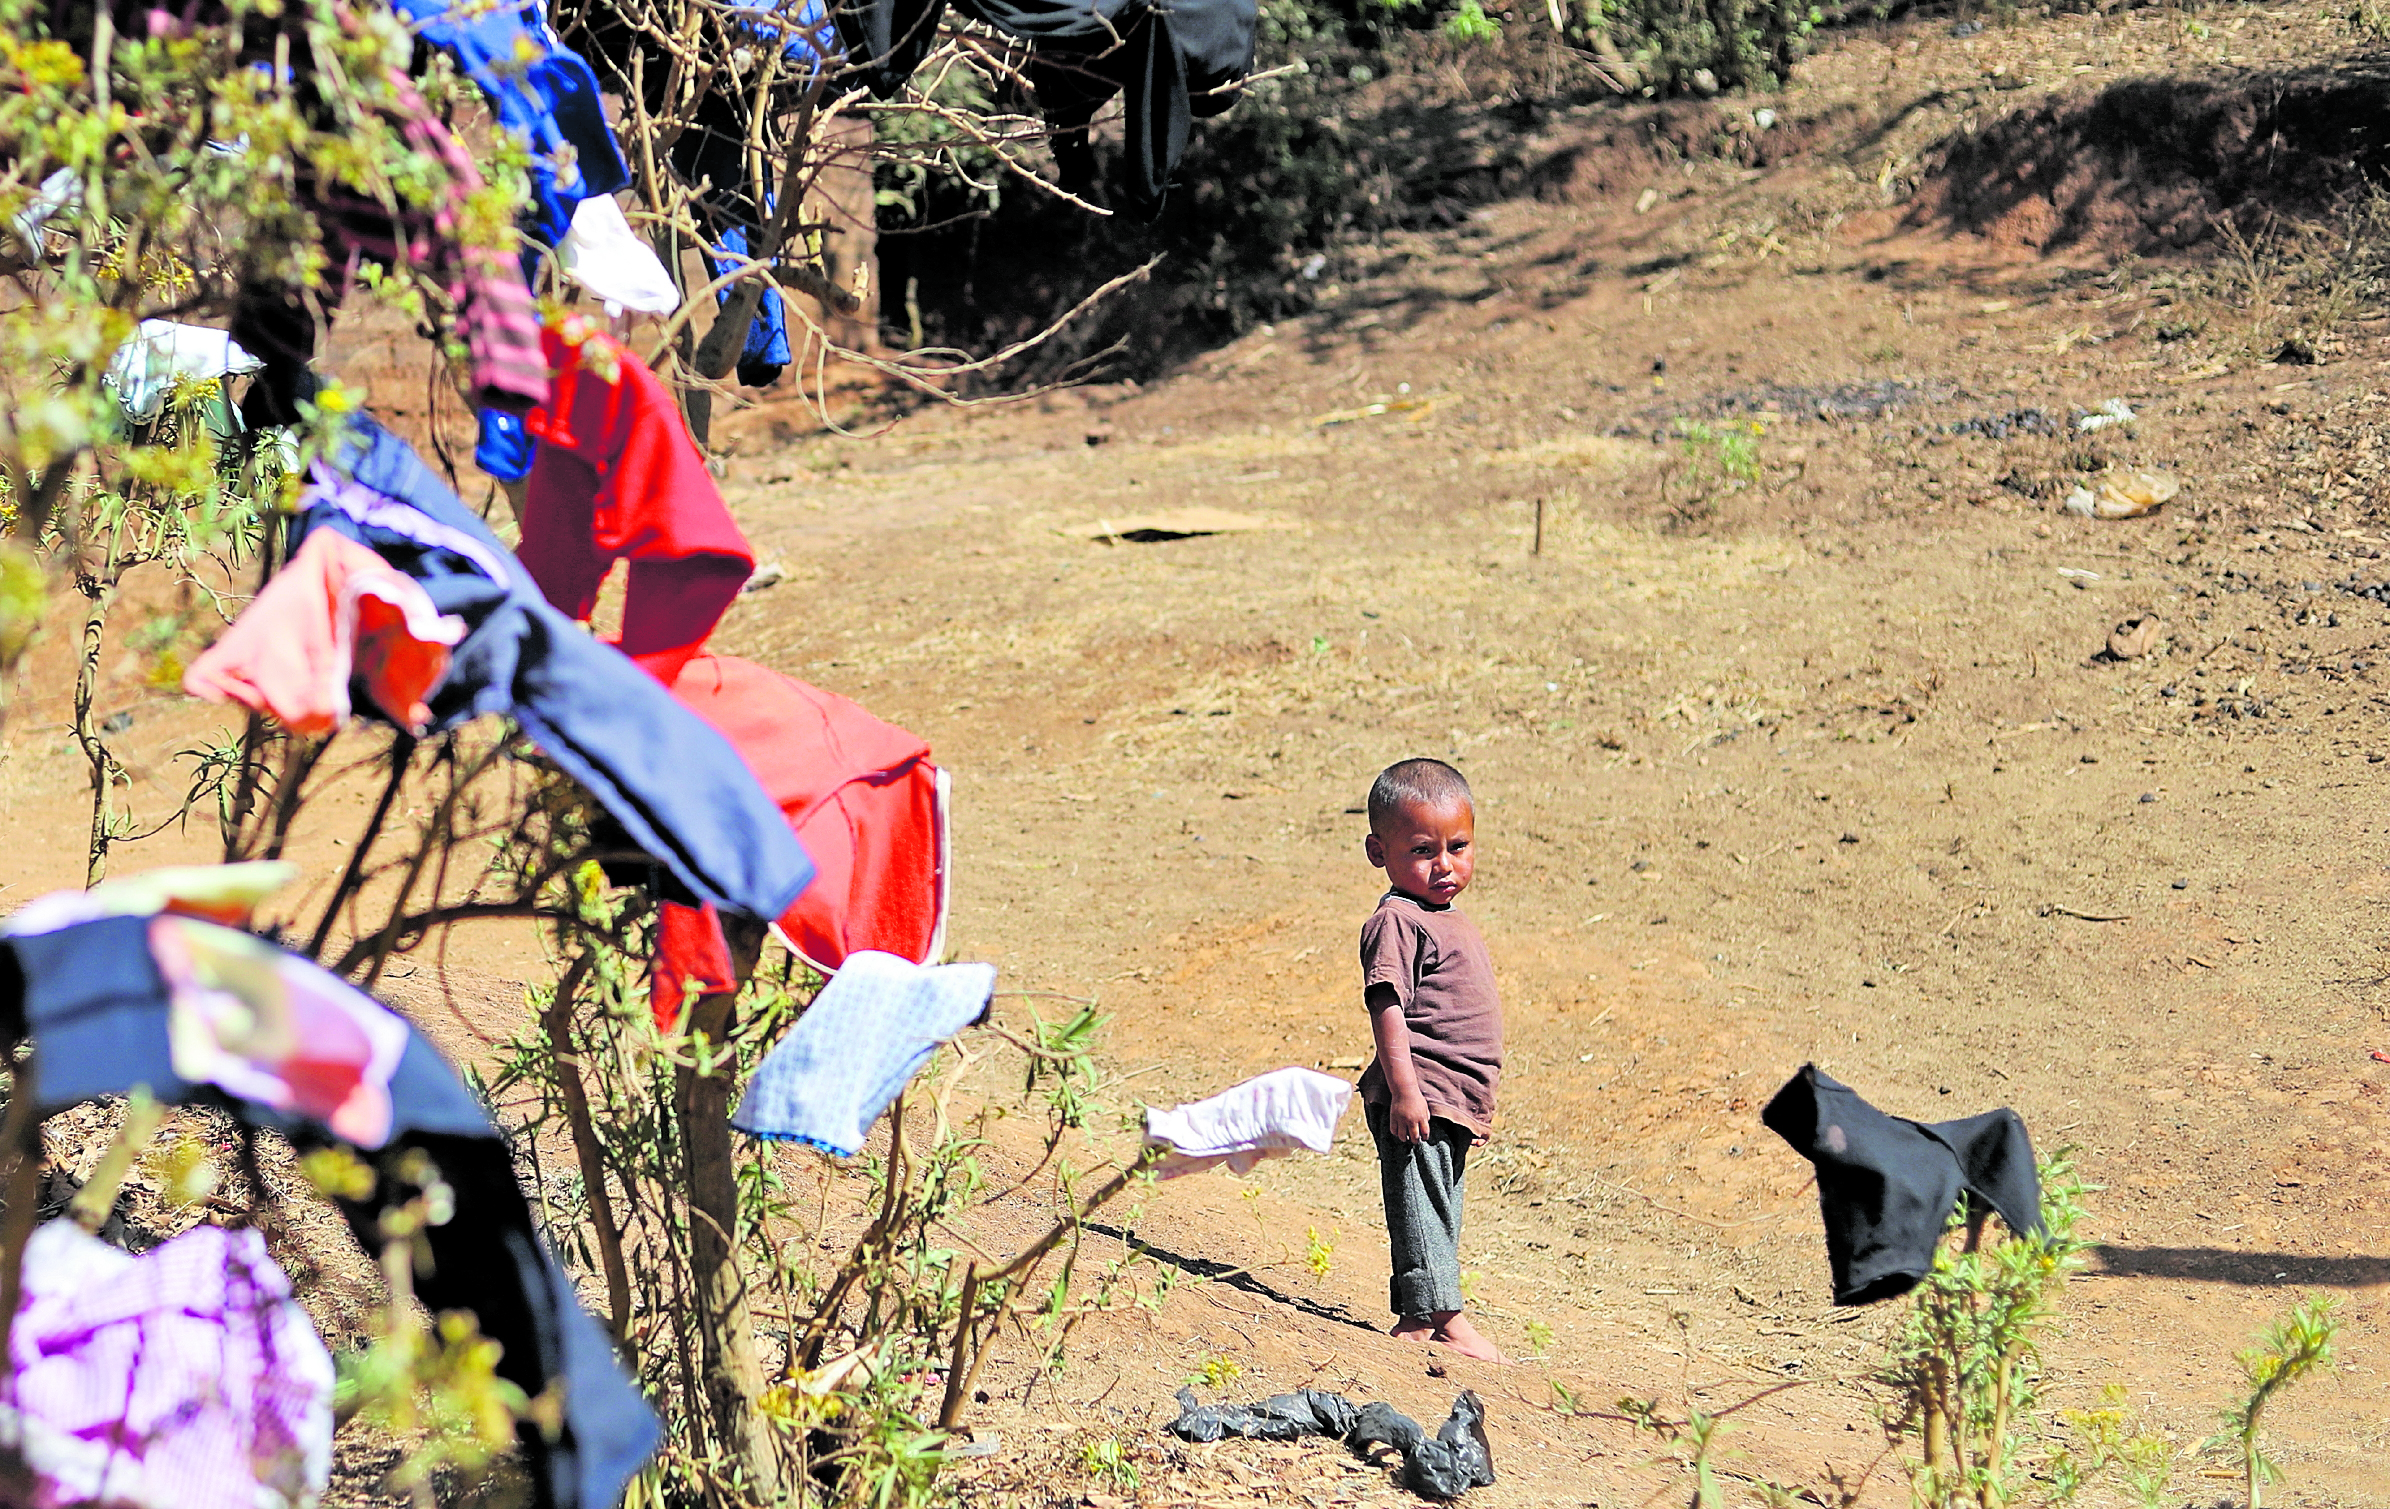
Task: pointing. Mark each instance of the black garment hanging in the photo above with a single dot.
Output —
(1171, 63)
(96, 1006)
(1886, 1185)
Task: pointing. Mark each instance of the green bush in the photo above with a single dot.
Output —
(1704, 45)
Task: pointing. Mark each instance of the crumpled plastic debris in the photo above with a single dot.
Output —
(2111, 412)
(1445, 1466)
(2127, 496)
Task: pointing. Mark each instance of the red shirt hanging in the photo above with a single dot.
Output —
(619, 479)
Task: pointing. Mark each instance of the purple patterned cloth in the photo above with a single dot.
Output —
(186, 1378)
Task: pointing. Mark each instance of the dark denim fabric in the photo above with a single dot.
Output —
(675, 785)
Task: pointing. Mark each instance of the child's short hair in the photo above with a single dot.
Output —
(1425, 783)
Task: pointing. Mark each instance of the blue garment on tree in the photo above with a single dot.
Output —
(869, 1032)
(547, 93)
(676, 786)
(807, 37)
(767, 350)
(92, 998)
(712, 151)
(505, 449)
(539, 88)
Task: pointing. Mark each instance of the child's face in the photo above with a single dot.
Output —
(1428, 851)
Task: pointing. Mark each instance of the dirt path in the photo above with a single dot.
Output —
(1823, 772)
(1818, 770)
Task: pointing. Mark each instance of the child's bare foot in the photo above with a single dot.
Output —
(1455, 1332)
(1414, 1328)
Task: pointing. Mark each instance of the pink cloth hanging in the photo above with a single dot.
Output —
(337, 610)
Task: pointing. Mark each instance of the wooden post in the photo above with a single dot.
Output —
(1539, 527)
(732, 1371)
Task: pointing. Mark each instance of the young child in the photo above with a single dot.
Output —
(1429, 987)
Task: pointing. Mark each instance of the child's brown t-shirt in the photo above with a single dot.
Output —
(1443, 978)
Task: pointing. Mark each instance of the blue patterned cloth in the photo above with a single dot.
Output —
(540, 89)
(868, 1033)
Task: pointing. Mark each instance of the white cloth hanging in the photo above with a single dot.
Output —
(603, 254)
(1281, 1112)
(162, 353)
(61, 191)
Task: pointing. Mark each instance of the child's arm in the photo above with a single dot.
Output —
(1406, 1113)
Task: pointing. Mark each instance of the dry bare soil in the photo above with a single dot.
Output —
(1827, 768)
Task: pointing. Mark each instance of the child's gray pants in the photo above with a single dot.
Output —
(1421, 1182)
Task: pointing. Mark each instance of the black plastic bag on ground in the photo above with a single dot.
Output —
(1456, 1460)
(1281, 1417)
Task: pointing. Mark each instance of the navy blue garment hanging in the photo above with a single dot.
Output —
(1886, 1185)
(675, 785)
(1171, 62)
(96, 1006)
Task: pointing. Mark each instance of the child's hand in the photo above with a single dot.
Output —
(1406, 1117)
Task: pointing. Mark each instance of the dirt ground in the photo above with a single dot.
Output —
(1831, 768)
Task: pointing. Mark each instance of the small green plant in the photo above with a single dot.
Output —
(1064, 1052)
(2148, 1464)
(1728, 453)
(1715, 460)
(2291, 1348)
(1695, 1439)
(2111, 1436)
(1318, 1252)
(1539, 1338)
(1967, 1365)
(1217, 1371)
(1108, 1462)
(1469, 23)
